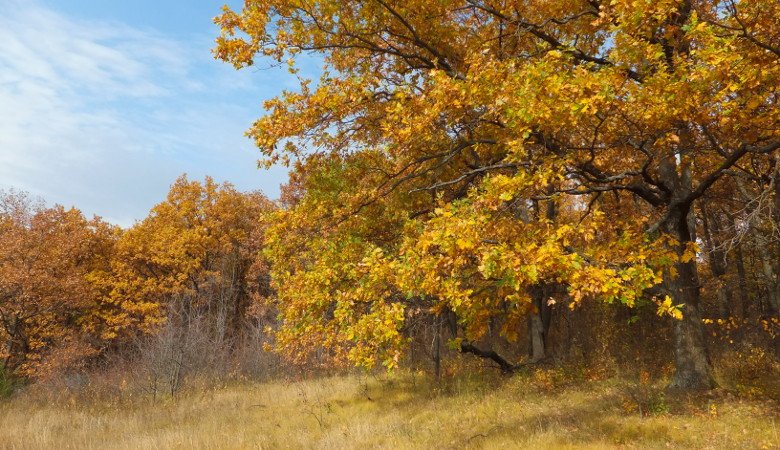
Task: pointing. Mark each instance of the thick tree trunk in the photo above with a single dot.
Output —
(692, 364)
(539, 323)
(540, 317)
(537, 337)
(775, 261)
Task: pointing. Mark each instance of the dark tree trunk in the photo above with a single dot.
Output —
(775, 259)
(540, 317)
(692, 364)
(437, 320)
(539, 323)
(451, 321)
(503, 364)
(536, 352)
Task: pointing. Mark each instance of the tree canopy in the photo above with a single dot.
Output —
(469, 157)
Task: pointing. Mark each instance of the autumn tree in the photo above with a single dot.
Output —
(626, 113)
(327, 296)
(49, 304)
(194, 253)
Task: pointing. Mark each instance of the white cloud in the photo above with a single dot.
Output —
(109, 60)
(104, 116)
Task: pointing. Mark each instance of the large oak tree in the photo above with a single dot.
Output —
(478, 110)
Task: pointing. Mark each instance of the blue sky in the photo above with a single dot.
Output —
(103, 103)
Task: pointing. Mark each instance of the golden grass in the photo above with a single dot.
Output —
(399, 411)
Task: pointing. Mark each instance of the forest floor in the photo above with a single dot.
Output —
(536, 410)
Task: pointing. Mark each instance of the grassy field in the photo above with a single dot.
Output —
(400, 411)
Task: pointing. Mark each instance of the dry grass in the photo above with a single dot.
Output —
(400, 411)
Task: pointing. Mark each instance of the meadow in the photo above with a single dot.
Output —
(541, 409)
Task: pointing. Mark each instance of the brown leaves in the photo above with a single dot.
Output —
(47, 258)
(71, 287)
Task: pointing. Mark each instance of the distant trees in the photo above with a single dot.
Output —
(194, 253)
(72, 288)
(48, 302)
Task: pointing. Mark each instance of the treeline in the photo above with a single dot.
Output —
(181, 287)
(189, 290)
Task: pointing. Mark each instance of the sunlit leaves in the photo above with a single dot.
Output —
(203, 234)
(665, 307)
(454, 155)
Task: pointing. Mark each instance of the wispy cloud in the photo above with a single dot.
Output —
(105, 116)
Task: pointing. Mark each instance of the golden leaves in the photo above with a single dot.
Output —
(430, 155)
(178, 249)
(665, 307)
(689, 254)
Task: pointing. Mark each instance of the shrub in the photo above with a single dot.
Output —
(8, 383)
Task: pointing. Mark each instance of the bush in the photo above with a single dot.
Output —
(8, 383)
